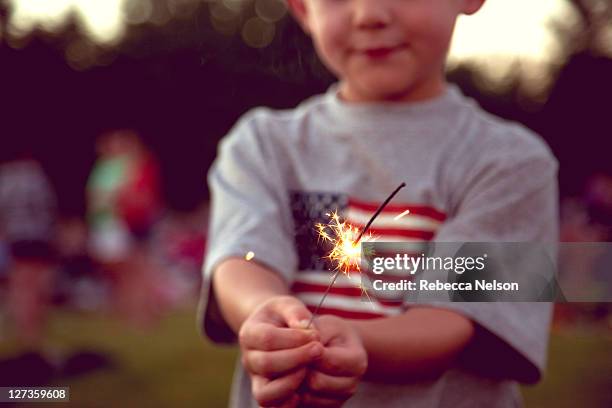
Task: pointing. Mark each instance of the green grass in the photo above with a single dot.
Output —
(172, 366)
(579, 372)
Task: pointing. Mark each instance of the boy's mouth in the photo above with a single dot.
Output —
(381, 52)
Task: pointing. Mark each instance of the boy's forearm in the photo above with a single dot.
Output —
(420, 343)
(240, 286)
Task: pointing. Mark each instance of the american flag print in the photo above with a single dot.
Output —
(346, 298)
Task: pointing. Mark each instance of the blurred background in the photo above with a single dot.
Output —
(110, 115)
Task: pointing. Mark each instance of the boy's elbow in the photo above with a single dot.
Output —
(461, 332)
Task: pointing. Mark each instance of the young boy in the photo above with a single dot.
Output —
(391, 118)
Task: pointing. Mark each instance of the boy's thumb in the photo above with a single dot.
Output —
(301, 324)
(298, 317)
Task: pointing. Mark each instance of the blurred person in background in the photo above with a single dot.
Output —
(123, 196)
(109, 240)
(4, 264)
(80, 282)
(587, 218)
(598, 198)
(139, 202)
(27, 226)
(178, 245)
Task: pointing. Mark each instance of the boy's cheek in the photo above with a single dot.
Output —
(430, 28)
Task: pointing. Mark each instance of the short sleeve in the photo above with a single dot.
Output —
(512, 198)
(248, 214)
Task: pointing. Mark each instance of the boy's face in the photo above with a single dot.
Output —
(383, 49)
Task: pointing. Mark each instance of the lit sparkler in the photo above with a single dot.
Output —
(346, 245)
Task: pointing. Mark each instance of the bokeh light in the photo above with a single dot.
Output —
(270, 11)
(138, 11)
(237, 6)
(606, 40)
(258, 33)
(182, 8)
(80, 54)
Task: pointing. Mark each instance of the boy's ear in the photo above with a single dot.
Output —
(472, 6)
(298, 9)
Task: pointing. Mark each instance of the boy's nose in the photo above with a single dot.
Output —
(371, 14)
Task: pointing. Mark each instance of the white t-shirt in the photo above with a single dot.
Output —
(470, 177)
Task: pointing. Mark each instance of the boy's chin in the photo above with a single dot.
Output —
(378, 89)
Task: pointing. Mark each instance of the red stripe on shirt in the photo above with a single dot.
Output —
(302, 287)
(347, 314)
(396, 232)
(399, 208)
(354, 293)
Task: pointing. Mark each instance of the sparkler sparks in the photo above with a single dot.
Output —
(402, 215)
(346, 249)
(346, 245)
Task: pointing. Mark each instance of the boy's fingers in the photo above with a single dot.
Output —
(293, 402)
(267, 337)
(309, 400)
(277, 392)
(331, 386)
(273, 363)
(295, 315)
(343, 361)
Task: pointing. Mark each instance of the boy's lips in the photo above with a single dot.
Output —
(381, 52)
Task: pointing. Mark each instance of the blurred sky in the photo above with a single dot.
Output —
(511, 28)
(508, 31)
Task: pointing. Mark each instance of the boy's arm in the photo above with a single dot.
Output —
(250, 213)
(418, 344)
(239, 286)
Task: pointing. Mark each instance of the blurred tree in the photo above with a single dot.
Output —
(575, 120)
(3, 21)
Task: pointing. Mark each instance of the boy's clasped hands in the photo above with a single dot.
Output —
(291, 365)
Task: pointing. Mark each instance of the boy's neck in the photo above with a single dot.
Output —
(423, 92)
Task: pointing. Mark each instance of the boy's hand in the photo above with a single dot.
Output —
(276, 355)
(334, 377)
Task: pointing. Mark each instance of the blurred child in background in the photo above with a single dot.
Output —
(123, 195)
(27, 224)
